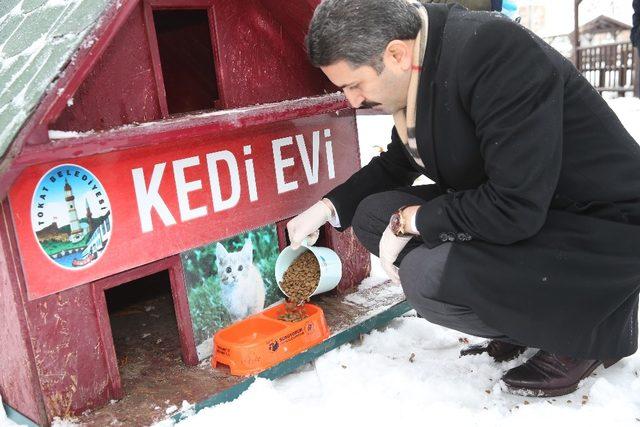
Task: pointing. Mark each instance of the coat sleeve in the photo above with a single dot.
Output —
(514, 95)
(389, 170)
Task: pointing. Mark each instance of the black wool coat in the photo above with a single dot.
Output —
(539, 187)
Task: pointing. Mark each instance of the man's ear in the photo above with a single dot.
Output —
(399, 54)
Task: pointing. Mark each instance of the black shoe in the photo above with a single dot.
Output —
(500, 351)
(547, 375)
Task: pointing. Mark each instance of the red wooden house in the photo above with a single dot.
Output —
(136, 131)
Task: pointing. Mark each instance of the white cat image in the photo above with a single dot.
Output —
(242, 287)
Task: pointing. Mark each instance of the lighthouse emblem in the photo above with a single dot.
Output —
(71, 216)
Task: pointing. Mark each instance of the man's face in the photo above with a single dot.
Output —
(364, 87)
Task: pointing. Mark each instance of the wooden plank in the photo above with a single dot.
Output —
(19, 380)
(183, 316)
(195, 125)
(155, 58)
(109, 351)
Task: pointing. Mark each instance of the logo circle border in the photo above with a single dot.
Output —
(33, 230)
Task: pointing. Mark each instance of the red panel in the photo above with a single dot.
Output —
(73, 345)
(258, 51)
(260, 58)
(259, 62)
(182, 127)
(356, 259)
(18, 380)
(120, 88)
(69, 353)
(294, 18)
(131, 245)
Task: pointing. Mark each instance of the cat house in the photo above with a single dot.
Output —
(152, 153)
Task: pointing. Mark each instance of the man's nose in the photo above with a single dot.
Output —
(354, 99)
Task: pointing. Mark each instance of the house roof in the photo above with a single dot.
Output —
(600, 24)
(603, 24)
(38, 38)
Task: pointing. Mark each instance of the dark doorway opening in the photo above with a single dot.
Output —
(186, 57)
(145, 331)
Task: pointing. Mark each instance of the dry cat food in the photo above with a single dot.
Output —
(298, 283)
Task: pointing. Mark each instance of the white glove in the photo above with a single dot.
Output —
(307, 224)
(390, 248)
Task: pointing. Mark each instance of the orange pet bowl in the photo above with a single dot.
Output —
(262, 340)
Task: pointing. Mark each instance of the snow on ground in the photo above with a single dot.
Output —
(409, 372)
(628, 111)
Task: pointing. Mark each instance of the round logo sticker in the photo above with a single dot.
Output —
(71, 216)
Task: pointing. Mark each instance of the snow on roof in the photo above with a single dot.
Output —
(37, 40)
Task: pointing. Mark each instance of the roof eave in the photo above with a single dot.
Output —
(34, 131)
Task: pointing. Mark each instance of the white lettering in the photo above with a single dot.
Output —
(310, 168)
(329, 148)
(251, 176)
(150, 198)
(281, 163)
(183, 188)
(214, 179)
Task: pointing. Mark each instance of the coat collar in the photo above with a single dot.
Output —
(438, 14)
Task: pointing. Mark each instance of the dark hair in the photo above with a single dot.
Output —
(358, 31)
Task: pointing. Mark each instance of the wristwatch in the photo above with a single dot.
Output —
(397, 224)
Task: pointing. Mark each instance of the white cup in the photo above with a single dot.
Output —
(330, 265)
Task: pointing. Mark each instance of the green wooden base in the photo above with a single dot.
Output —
(17, 417)
(289, 365)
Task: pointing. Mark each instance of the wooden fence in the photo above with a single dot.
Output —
(609, 67)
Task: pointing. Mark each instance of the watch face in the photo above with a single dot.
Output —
(395, 223)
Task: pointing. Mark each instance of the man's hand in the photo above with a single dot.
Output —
(308, 224)
(390, 247)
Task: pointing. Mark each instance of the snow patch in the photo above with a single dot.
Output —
(628, 110)
(63, 134)
(52, 3)
(65, 422)
(88, 42)
(357, 298)
(205, 349)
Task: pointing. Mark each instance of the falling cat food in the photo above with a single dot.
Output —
(298, 283)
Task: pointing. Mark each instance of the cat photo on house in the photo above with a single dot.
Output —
(243, 290)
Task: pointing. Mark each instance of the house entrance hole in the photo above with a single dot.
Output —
(145, 331)
(186, 57)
